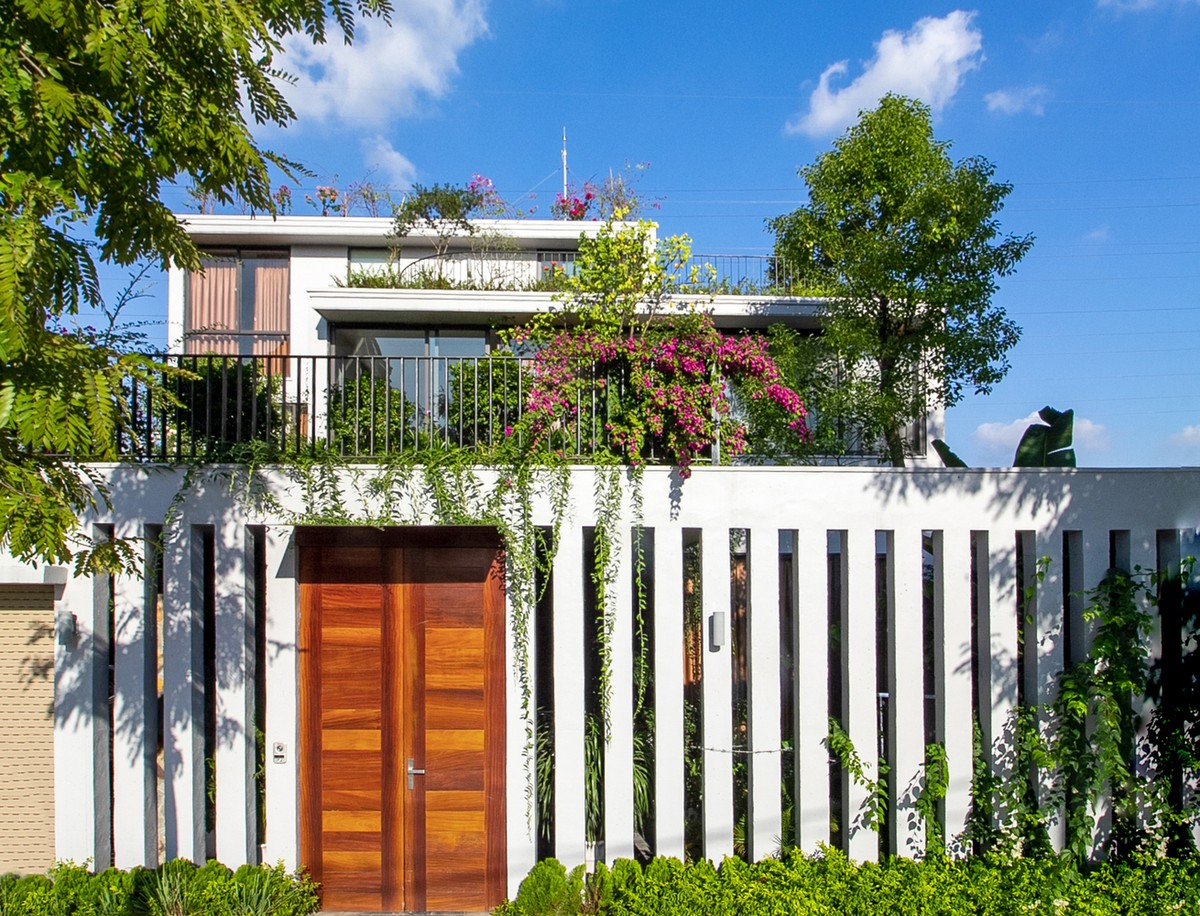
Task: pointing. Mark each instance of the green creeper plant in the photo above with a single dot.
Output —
(931, 795)
(873, 812)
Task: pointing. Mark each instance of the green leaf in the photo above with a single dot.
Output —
(949, 459)
(1047, 446)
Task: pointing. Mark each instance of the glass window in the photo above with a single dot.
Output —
(239, 305)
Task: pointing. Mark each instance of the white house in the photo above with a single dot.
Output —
(397, 679)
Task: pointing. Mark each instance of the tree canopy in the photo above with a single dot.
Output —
(907, 246)
(101, 105)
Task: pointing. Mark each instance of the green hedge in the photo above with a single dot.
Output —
(178, 888)
(831, 884)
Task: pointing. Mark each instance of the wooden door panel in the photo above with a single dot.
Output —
(402, 657)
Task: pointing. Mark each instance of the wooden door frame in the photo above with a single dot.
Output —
(398, 648)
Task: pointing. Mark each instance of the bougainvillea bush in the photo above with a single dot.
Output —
(661, 392)
(630, 365)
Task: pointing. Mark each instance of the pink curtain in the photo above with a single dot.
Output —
(212, 313)
(271, 313)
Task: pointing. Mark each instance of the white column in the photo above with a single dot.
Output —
(282, 700)
(716, 688)
(520, 750)
(234, 639)
(1050, 653)
(183, 693)
(765, 829)
(82, 822)
(906, 709)
(570, 825)
(952, 669)
(860, 690)
(998, 629)
(811, 627)
(135, 805)
(668, 692)
(618, 749)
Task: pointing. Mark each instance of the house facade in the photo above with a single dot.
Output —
(415, 681)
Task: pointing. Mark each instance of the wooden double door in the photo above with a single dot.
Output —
(402, 717)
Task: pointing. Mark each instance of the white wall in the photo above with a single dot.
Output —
(987, 508)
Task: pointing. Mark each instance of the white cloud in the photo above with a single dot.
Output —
(1089, 439)
(388, 69)
(1101, 233)
(997, 442)
(396, 169)
(1188, 437)
(1014, 101)
(1135, 6)
(927, 62)
(1002, 438)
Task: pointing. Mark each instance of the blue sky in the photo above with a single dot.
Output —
(1089, 108)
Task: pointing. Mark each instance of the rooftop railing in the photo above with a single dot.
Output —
(530, 271)
(214, 408)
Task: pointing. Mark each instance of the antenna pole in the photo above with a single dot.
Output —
(564, 160)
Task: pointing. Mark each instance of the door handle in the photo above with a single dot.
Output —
(413, 771)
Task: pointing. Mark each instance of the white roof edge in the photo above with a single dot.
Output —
(347, 230)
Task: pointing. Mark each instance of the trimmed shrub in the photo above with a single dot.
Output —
(829, 883)
(177, 888)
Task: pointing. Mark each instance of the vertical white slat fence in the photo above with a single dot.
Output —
(974, 520)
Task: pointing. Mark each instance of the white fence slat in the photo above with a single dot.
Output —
(860, 688)
(765, 826)
(282, 840)
(569, 822)
(906, 708)
(1050, 654)
(81, 759)
(717, 683)
(135, 803)
(811, 628)
(1095, 566)
(520, 758)
(999, 627)
(234, 752)
(952, 667)
(183, 699)
(668, 692)
(618, 749)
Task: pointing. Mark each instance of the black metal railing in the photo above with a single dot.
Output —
(210, 408)
(214, 408)
(745, 275)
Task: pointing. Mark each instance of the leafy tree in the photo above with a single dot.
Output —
(443, 209)
(909, 248)
(101, 104)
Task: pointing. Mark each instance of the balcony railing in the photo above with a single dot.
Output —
(744, 275)
(360, 407)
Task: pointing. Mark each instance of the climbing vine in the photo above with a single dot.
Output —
(931, 795)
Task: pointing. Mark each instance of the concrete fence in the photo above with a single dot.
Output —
(890, 599)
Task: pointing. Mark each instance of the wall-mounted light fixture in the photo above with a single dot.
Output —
(68, 629)
(716, 631)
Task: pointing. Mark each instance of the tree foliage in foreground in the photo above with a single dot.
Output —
(909, 247)
(101, 104)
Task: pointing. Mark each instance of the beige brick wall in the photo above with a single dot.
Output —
(26, 728)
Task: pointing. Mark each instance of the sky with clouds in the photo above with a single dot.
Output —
(1090, 108)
